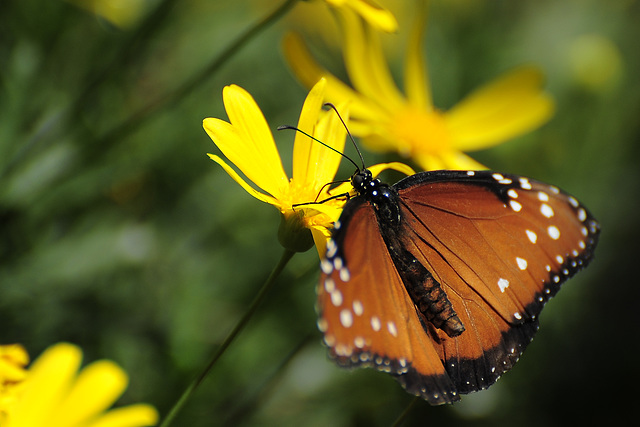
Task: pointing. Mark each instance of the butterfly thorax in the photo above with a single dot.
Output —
(382, 196)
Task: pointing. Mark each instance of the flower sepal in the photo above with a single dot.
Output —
(293, 234)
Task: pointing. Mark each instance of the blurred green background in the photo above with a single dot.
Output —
(119, 235)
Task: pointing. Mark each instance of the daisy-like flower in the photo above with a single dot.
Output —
(248, 143)
(388, 120)
(52, 392)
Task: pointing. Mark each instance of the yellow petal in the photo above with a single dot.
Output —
(428, 161)
(366, 64)
(332, 132)
(397, 166)
(459, 161)
(233, 174)
(321, 236)
(308, 71)
(97, 387)
(48, 381)
(236, 149)
(15, 353)
(331, 211)
(375, 15)
(305, 150)
(256, 141)
(454, 160)
(13, 359)
(512, 105)
(129, 416)
(416, 76)
(381, 140)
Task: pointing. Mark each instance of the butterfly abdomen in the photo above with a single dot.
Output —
(426, 293)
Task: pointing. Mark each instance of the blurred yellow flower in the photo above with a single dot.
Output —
(376, 15)
(388, 120)
(121, 13)
(248, 143)
(52, 392)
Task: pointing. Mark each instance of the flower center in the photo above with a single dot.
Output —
(421, 131)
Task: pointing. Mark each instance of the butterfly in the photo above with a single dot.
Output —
(439, 279)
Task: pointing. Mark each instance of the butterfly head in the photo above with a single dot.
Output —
(361, 180)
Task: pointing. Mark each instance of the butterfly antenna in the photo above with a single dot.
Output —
(333, 107)
(320, 142)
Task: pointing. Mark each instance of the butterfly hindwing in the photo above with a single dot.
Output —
(367, 317)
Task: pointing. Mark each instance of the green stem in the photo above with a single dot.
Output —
(136, 119)
(406, 411)
(141, 116)
(286, 256)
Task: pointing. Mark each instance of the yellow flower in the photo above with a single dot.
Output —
(121, 13)
(387, 120)
(53, 393)
(376, 15)
(13, 359)
(248, 143)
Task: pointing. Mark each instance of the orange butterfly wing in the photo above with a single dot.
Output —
(498, 245)
(367, 317)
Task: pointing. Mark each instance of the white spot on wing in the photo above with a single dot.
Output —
(542, 196)
(358, 309)
(336, 298)
(533, 237)
(553, 232)
(503, 284)
(582, 214)
(329, 285)
(471, 173)
(512, 193)
(522, 263)
(332, 248)
(517, 207)
(497, 176)
(346, 318)
(326, 266)
(392, 328)
(524, 183)
(330, 340)
(573, 202)
(546, 210)
(344, 274)
(375, 323)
